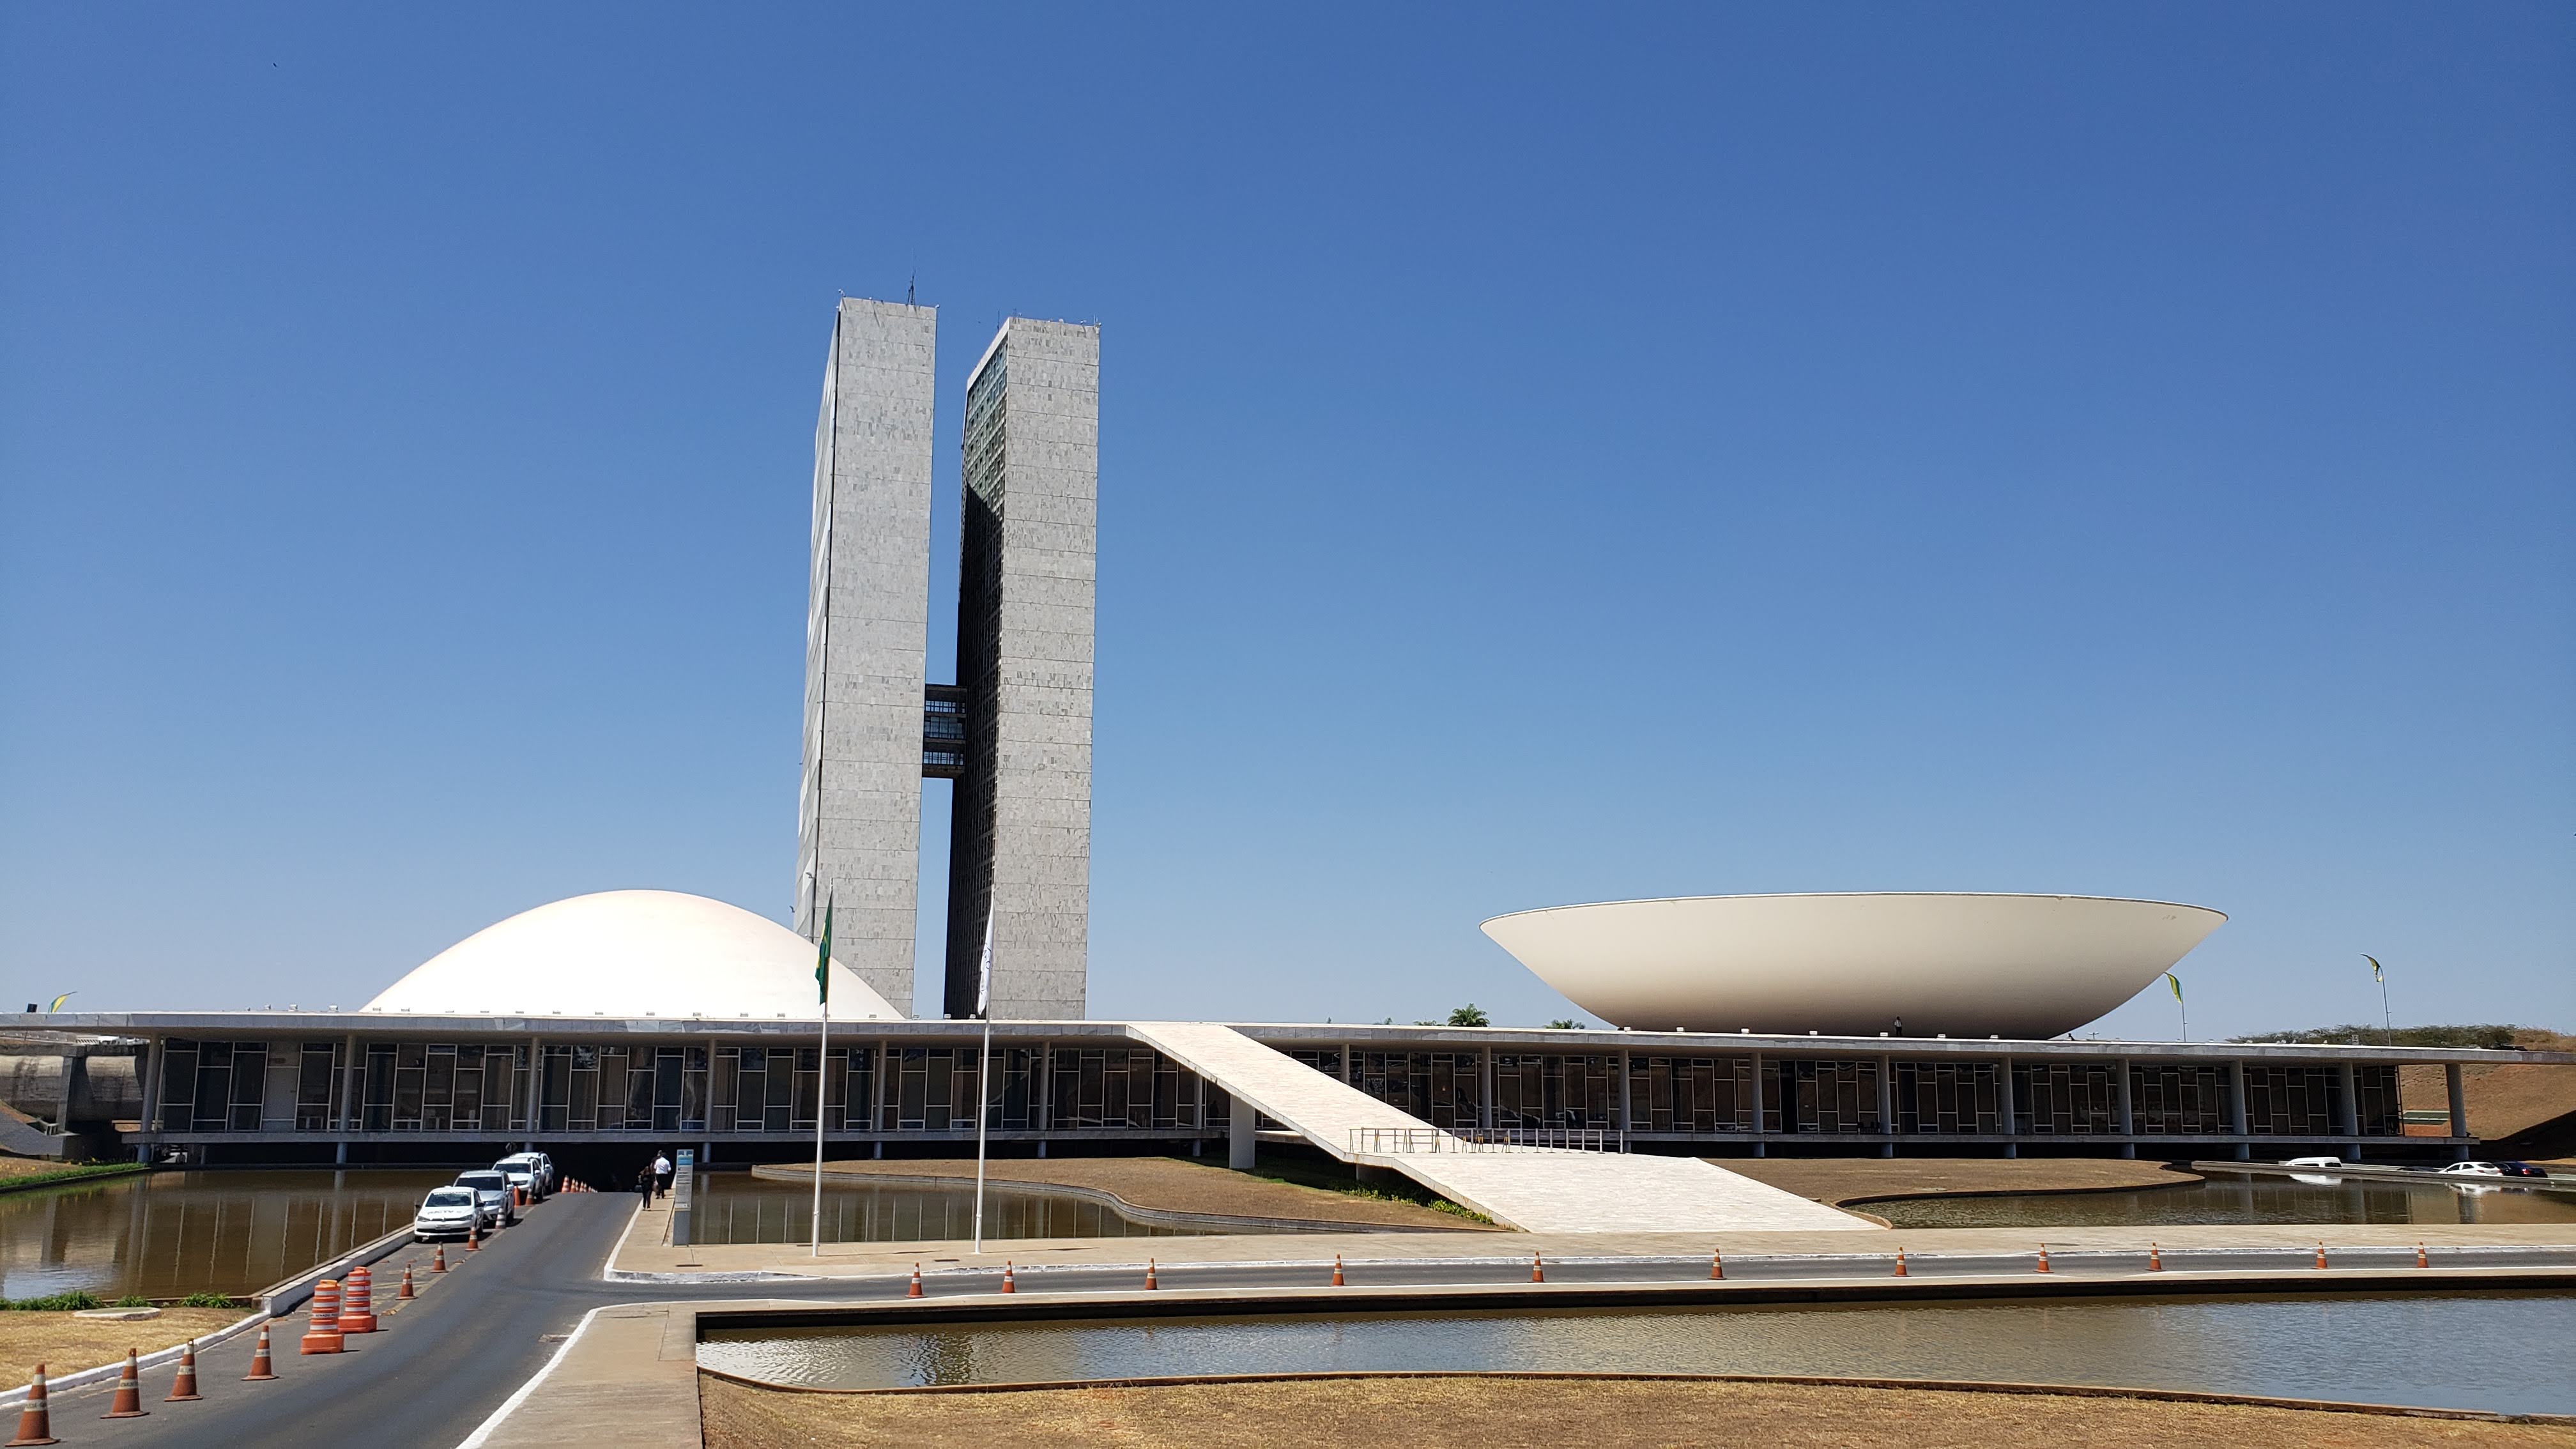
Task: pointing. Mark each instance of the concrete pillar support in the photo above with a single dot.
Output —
(1887, 1105)
(1240, 1118)
(2351, 1114)
(2236, 1109)
(2006, 1109)
(153, 1053)
(2127, 1119)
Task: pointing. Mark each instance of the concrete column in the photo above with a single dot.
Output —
(2236, 1109)
(2351, 1123)
(1622, 1112)
(1761, 1112)
(1485, 1088)
(2006, 1109)
(2459, 1110)
(1239, 1119)
(2127, 1120)
(353, 1107)
(152, 1098)
(1887, 1106)
(537, 1085)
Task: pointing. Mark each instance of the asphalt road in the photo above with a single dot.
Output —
(438, 1367)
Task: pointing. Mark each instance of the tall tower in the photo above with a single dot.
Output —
(1020, 843)
(858, 831)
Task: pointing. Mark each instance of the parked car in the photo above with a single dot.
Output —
(524, 1175)
(448, 1212)
(2314, 1162)
(2472, 1169)
(541, 1172)
(493, 1190)
(2522, 1169)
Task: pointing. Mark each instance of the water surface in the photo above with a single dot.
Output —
(2228, 1199)
(2479, 1351)
(170, 1234)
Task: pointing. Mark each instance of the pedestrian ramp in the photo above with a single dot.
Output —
(1534, 1188)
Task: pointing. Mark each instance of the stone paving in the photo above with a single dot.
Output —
(1536, 1190)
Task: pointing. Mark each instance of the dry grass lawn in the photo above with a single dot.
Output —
(64, 1344)
(1502, 1413)
(1839, 1180)
(1174, 1184)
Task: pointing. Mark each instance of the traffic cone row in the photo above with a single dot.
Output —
(183, 1389)
(35, 1422)
(322, 1334)
(358, 1301)
(128, 1403)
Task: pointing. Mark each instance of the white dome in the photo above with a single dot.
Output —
(631, 954)
(2027, 967)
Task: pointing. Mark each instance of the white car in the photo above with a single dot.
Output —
(448, 1212)
(540, 1169)
(493, 1190)
(524, 1175)
(2472, 1169)
(2314, 1162)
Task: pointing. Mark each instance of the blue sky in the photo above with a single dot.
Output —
(1547, 457)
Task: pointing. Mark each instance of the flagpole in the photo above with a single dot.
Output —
(822, 1066)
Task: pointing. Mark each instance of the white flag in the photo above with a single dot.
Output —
(984, 979)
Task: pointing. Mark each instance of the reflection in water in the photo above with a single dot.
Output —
(2494, 1351)
(736, 1207)
(169, 1234)
(2227, 1199)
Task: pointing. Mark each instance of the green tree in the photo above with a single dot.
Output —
(1470, 1015)
(1565, 1024)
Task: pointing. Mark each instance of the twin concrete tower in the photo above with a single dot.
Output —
(1014, 731)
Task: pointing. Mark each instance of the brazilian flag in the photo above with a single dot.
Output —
(823, 958)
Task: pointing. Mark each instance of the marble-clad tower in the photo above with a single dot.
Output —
(1020, 842)
(858, 834)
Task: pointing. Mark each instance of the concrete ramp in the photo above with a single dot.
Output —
(20, 1136)
(1534, 1189)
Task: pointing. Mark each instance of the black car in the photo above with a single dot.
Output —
(2521, 1169)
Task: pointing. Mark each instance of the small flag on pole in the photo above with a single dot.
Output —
(2176, 983)
(58, 1002)
(823, 958)
(2375, 973)
(984, 974)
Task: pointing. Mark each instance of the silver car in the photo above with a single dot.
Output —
(448, 1212)
(493, 1191)
(528, 1170)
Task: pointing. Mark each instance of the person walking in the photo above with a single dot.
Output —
(661, 1175)
(644, 1181)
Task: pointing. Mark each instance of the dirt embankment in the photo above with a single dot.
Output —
(2519, 1109)
(1173, 1184)
(1836, 1181)
(1514, 1413)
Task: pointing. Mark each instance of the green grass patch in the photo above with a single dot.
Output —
(73, 1301)
(2490, 1036)
(212, 1300)
(70, 1174)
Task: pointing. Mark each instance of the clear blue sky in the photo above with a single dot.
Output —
(1545, 458)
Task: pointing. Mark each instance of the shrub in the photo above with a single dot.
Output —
(209, 1300)
(78, 1298)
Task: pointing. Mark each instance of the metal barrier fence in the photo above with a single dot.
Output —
(1394, 1140)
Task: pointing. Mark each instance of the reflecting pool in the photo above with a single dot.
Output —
(2481, 1351)
(736, 1207)
(169, 1234)
(2227, 1199)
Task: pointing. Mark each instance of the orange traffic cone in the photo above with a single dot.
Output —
(474, 1235)
(128, 1403)
(35, 1422)
(1716, 1264)
(438, 1259)
(261, 1367)
(1538, 1272)
(184, 1387)
(2155, 1259)
(915, 1290)
(1900, 1262)
(1150, 1284)
(2321, 1255)
(405, 1291)
(358, 1301)
(322, 1335)
(2043, 1259)
(2420, 1260)
(1337, 1270)
(1009, 1283)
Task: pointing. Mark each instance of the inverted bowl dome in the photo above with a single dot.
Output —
(631, 954)
(2025, 967)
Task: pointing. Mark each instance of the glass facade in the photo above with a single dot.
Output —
(1690, 1094)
